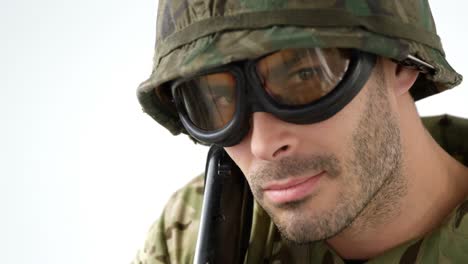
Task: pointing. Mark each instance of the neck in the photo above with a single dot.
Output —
(434, 184)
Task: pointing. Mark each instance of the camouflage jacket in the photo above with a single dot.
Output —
(172, 238)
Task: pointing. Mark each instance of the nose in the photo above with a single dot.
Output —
(271, 138)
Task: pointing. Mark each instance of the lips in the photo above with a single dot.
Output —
(292, 190)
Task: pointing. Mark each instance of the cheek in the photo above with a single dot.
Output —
(333, 135)
(241, 155)
(339, 129)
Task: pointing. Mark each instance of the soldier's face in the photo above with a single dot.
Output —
(314, 180)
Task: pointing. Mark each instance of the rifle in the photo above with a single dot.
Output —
(226, 216)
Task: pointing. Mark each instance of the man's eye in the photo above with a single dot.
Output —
(306, 74)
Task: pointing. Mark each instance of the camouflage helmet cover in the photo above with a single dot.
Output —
(193, 35)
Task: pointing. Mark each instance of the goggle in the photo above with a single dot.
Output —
(301, 86)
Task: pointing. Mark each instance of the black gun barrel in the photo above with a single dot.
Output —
(226, 215)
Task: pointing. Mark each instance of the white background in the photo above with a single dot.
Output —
(83, 172)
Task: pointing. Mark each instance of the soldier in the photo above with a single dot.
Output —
(314, 101)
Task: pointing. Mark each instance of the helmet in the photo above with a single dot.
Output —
(201, 34)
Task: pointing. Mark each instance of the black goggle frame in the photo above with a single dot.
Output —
(251, 97)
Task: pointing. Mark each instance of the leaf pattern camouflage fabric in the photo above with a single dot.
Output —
(194, 35)
(172, 239)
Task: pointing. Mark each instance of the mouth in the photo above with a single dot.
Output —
(294, 189)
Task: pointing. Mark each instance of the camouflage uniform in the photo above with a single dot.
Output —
(194, 35)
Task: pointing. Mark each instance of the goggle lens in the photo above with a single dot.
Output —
(297, 77)
(210, 100)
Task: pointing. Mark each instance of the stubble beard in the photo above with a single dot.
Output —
(372, 189)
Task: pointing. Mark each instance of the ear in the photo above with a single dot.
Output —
(404, 79)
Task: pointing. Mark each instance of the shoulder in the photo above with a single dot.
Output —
(450, 132)
(448, 244)
(460, 219)
(172, 238)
